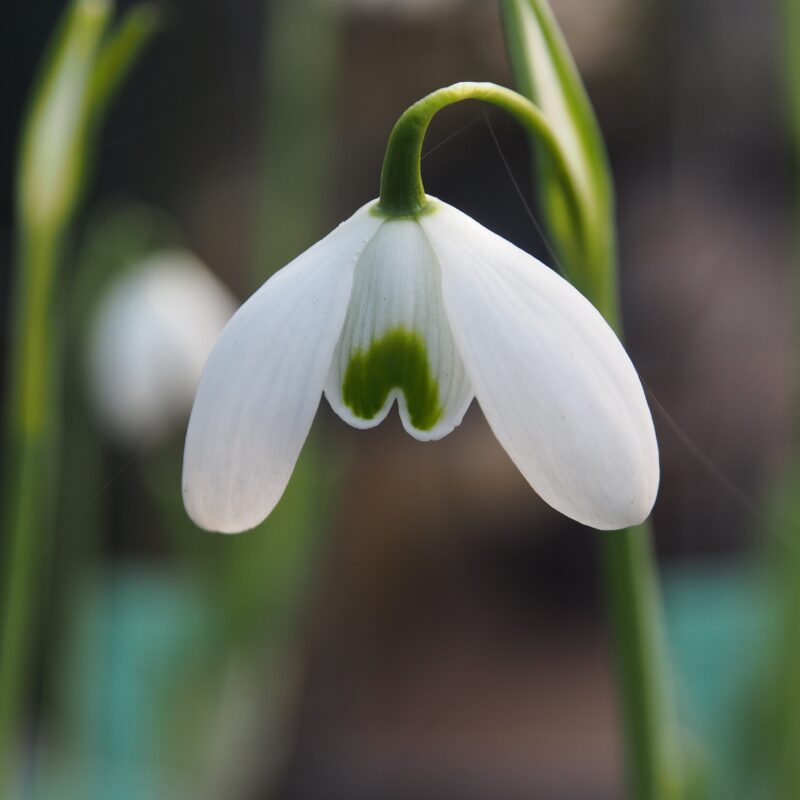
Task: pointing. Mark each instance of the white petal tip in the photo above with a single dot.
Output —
(214, 518)
(263, 381)
(552, 378)
(628, 519)
(624, 505)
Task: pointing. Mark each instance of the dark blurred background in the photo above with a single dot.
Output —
(454, 636)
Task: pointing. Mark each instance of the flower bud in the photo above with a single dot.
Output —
(149, 339)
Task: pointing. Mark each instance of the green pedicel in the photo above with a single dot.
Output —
(398, 360)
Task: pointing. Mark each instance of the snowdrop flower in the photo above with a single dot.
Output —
(411, 301)
(148, 341)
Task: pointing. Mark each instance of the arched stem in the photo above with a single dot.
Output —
(402, 192)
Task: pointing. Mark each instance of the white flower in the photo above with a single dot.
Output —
(429, 312)
(148, 342)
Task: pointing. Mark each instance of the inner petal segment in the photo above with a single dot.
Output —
(398, 360)
(396, 343)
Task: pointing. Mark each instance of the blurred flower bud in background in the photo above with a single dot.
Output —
(149, 337)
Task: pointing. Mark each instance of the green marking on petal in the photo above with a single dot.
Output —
(398, 360)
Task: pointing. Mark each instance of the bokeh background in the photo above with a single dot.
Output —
(414, 622)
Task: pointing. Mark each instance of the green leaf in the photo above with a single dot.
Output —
(546, 74)
(52, 149)
(119, 53)
(81, 71)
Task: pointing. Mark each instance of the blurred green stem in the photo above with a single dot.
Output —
(29, 467)
(301, 76)
(264, 579)
(773, 751)
(80, 70)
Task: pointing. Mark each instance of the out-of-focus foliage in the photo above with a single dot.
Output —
(83, 67)
(85, 62)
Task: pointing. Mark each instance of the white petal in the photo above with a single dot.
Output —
(263, 382)
(396, 342)
(553, 380)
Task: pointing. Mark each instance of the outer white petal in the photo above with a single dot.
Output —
(263, 382)
(397, 290)
(553, 380)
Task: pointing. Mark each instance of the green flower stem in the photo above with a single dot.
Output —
(636, 618)
(29, 467)
(634, 600)
(82, 67)
(634, 607)
(301, 78)
(402, 192)
(546, 73)
(119, 54)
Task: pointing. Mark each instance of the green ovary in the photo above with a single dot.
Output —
(398, 360)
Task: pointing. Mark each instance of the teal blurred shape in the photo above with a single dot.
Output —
(717, 615)
(130, 647)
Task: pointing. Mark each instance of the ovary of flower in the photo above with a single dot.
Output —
(428, 311)
(148, 341)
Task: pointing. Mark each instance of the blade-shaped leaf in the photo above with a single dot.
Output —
(546, 73)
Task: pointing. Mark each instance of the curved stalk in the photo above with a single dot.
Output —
(402, 191)
(634, 601)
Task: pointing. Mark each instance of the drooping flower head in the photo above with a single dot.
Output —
(411, 301)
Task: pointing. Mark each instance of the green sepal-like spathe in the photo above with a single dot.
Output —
(546, 74)
(82, 70)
